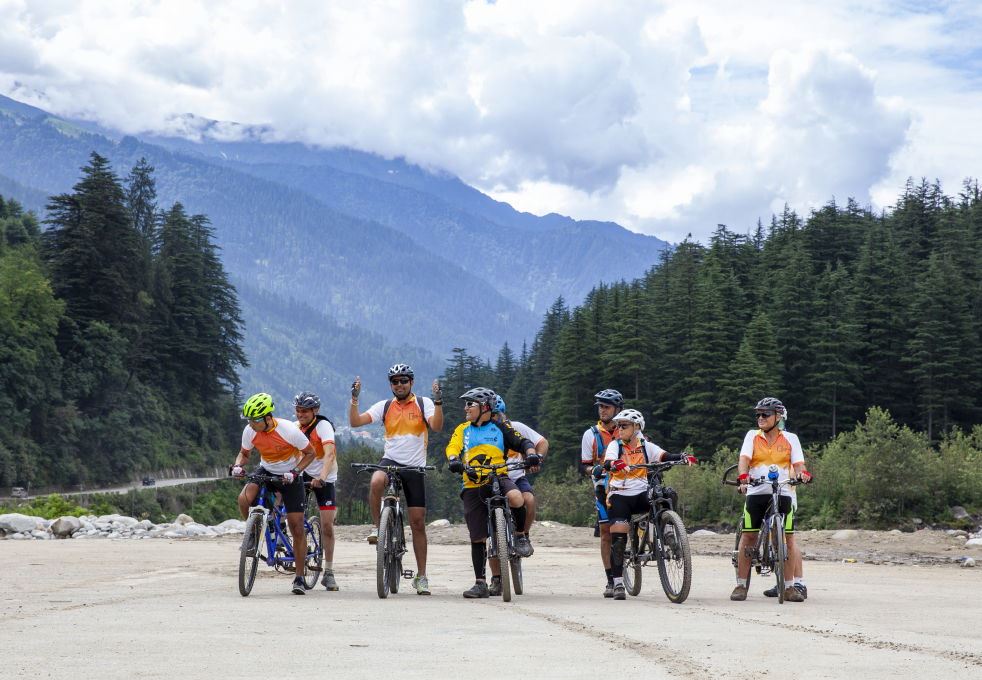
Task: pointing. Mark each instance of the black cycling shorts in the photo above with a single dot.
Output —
(756, 506)
(524, 484)
(292, 494)
(325, 495)
(413, 485)
(621, 507)
(476, 511)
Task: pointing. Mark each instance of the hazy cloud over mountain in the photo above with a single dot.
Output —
(666, 117)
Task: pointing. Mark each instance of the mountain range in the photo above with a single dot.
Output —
(345, 261)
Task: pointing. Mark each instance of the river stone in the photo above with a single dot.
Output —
(974, 541)
(439, 523)
(63, 527)
(15, 523)
(968, 562)
(958, 512)
(896, 532)
(144, 524)
(957, 533)
(19, 536)
(703, 532)
(844, 535)
(233, 526)
(195, 529)
(184, 519)
(116, 519)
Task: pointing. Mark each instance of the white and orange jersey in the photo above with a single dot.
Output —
(405, 430)
(279, 447)
(320, 435)
(784, 452)
(631, 482)
(515, 456)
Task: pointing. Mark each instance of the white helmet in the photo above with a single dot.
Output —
(631, 416)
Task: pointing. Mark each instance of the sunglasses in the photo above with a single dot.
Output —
(257, 420)
(471, 404)
(764, 415)
(624, 426)
(400, 381)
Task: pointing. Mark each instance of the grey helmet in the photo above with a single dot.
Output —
(482, 395)
(401, 369)
(772, 404)
(609, 397)
(307, 400)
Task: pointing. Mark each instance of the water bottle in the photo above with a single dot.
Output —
(772, 472)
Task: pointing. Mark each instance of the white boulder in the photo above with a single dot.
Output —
(844, 535)
(232, 526)
(117, 519)
(63, 527)
(703, 532)
(184, 519)
(15, 523)
(439, 523)
(974, 541)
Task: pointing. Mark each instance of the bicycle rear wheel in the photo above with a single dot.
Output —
(674, 558)
(515, 564)
(249, 553)
(779, 551)
(632, 564)
(501, 539)
(382, 559)
(315, 552)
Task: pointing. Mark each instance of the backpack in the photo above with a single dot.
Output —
(419, 404)
(313, 424)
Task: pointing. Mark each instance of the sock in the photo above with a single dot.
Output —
(788, 584)
(519, 514)
(745, 582)
(329, 567)
(610, 575)
(618, 580)
(617, 544)
(479, 554)
(799, 581)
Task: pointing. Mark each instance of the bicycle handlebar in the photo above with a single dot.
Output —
(363, 467)
(658, 466)
(758, 481)
(496, 466)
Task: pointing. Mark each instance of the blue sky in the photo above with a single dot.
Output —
(668, 117)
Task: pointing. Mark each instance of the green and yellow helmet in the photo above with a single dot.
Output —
(257, 406)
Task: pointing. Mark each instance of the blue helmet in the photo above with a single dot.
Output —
(499, 405)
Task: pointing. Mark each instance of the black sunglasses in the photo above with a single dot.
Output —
(471, 404)
(764, 415)
(624, 426)
(400, 381)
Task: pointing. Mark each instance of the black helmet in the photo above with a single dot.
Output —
(772, 404)
(401, 369)
(482, 395)
(609, 397)
(307, 400)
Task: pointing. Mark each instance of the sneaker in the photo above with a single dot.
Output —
(478, 590)
(373, 536)
(609, 590)
(793, 595)
(495, 588)
(771, 592)
(800, 587)
(298, 586)
(422, 585)
(523, 546)
(620, 593)
(739, 594)
(329, 582)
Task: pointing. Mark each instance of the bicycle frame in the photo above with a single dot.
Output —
(279, 546)
(639, 526)
(499, 500)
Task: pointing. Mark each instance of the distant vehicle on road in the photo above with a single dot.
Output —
(149, 481)
(18, 492)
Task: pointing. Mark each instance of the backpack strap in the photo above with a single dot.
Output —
(419, 405)
(313, 425)
(601, 449)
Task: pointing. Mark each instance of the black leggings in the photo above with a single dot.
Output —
(479, 556)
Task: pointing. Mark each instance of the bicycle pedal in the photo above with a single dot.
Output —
(407, 573)
(314, 567)
(290, 568)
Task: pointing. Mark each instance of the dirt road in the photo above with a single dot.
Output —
(170, 609)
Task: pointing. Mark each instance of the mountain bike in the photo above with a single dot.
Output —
(266, 538)
(391, 545)
(501, 529)
(770, 551)
(659, 536)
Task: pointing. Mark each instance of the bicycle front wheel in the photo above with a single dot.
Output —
(674, 558)
(501, 539)
(382, 557)
(315, 551)
(637, 543)
(780, 550)
(516, 575)
(397, 540)
(249, 553)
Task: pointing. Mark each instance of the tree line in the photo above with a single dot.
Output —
(121, 335)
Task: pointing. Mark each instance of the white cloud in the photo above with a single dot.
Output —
(667, 117)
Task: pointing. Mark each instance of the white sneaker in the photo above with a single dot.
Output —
(422, 585)
(373, 536)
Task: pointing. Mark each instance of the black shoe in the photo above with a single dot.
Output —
(495, 589)
(523, 546)
(609, 590)
(619, 592)
(299, 588)
(477, 591)
(771, 592)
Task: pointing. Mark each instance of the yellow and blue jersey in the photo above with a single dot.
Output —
(485, 444)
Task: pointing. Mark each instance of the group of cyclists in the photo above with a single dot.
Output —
(302, 452)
